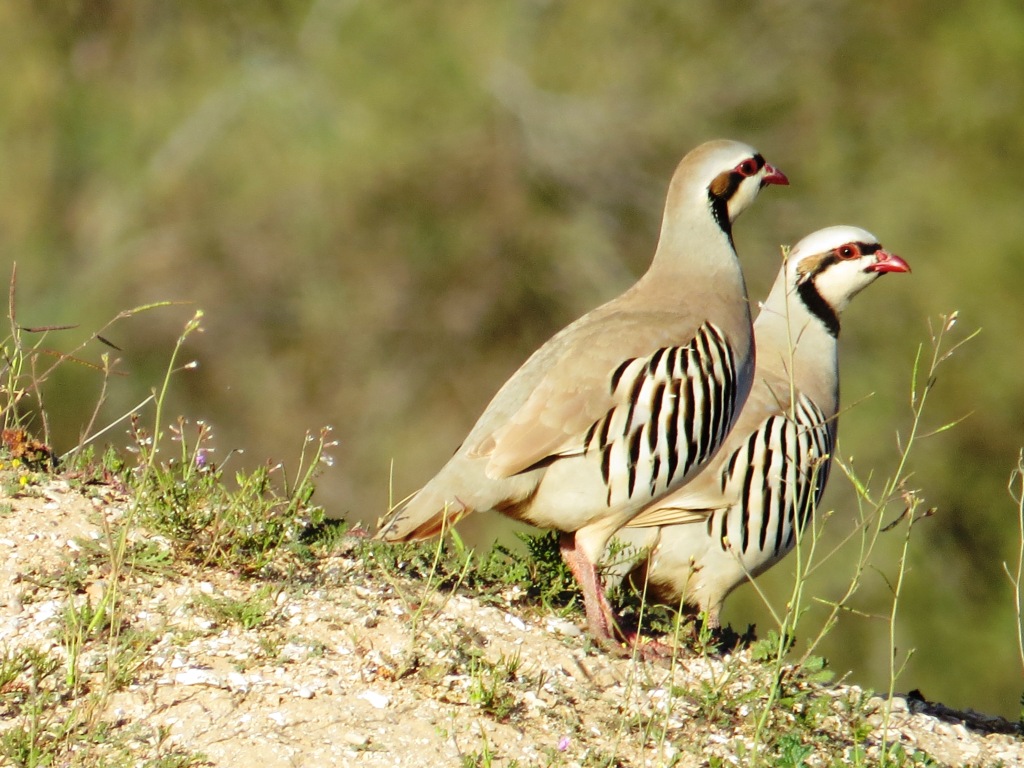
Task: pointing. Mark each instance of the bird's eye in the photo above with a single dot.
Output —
(848, 251)
(748, 167)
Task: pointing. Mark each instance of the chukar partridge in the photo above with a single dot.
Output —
(742, 514)
(626, 403)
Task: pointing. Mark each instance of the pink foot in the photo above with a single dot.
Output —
(600, 618)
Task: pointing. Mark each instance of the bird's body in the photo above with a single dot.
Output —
(626, 403)
(743, 513)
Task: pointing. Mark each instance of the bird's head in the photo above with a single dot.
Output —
(725, 176)
(833, 265)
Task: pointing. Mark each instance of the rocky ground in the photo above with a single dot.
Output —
(347, 662)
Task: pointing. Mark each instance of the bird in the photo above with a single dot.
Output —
(627, 402)
(744, 511)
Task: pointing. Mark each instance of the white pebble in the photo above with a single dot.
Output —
(563, 627)
(376, 700)
(278, 717)
(47, 610)
(195, 676)
(238, 682)
(515, 621)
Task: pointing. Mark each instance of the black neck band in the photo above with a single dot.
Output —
(818, 307)
(720, 213)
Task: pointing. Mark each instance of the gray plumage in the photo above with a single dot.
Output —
(626, 403)
(742, 514)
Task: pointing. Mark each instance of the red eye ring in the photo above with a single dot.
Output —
(748, 167)
(848, 251)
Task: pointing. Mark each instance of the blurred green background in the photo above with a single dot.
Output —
(383, 208)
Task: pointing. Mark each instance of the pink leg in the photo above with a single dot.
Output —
(600, 619)
(714, 622)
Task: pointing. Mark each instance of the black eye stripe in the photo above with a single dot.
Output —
(862, 249)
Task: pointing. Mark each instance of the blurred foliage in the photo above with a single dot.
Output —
(384, 208)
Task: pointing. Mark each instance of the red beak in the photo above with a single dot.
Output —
(888, 262)
(773, 175)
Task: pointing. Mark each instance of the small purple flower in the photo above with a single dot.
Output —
(563, 744)
(201, 458)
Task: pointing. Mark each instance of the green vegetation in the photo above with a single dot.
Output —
(777, 714)
(385, 211)
(185, 499)
(183, 513)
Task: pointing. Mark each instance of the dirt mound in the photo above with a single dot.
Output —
(345, 664)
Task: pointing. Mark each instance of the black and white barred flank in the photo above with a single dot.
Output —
(679, 405)
(780, 473)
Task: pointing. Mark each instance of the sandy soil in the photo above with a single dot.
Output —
(351, 665)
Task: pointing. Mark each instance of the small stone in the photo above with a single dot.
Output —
(180, 660)
(238, 682)
(899, 704)
(196, 676)
(563, 627)
(278, 718)
(532, 700)
(47, 611)
(356, 739)
(375, 699)
(515, 621)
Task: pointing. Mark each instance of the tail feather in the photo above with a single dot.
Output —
(421, 518)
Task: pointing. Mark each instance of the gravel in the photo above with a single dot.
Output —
(354, 666)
